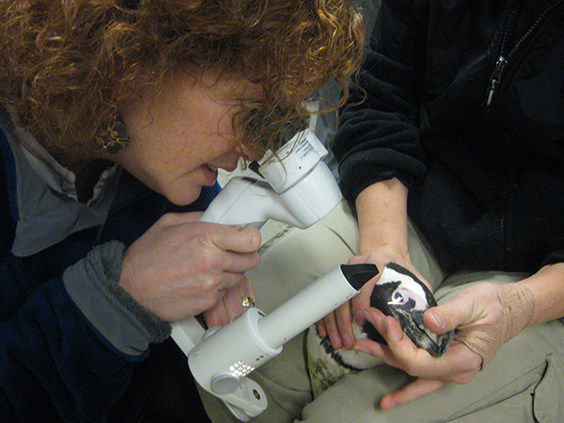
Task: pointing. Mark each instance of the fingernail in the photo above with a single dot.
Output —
(437, 318)
(348, 341)
(336, 341)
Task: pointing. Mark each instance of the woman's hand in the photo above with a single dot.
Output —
(182, 267)
(484, 316)
(230, 305)
(338, 325)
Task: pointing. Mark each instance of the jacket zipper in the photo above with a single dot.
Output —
(496, 77)
(503, 60)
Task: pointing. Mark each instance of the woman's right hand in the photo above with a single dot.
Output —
(182, 267)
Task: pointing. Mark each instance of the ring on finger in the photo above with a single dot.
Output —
(247, 302)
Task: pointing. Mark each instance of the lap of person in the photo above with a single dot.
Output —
(524, 379)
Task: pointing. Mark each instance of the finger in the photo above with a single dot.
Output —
(344, 325)
(235, 238)
(375, 349)
(379, 320)
(381, 351)
(243, 239)
(362, 301)
(230, 306)
(248, 290)
(410, 392)
(397, 348)
(321, 329)
(459, 364)
(406, 355)
(216, 316)
(401, 352)
(233, 299)
(237, 263)
(333, 331)
(208, 293)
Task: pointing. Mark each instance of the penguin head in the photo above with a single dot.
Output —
(400, 294)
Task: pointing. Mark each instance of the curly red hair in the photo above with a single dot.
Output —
(66, 66)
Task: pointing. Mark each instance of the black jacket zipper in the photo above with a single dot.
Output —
(503, 59)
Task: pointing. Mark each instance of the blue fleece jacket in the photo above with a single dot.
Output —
(72, 343)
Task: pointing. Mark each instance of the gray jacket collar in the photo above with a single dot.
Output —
(47, 216)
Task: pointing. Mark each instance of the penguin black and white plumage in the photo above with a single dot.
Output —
(397, 293)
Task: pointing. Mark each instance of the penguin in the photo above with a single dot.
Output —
(398, 293)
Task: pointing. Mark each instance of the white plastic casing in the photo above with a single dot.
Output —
(305, 308)
(299, 190)
(294, 160)
(231, 352)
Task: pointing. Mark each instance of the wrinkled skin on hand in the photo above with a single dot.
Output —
(182, 267)
(474, 312)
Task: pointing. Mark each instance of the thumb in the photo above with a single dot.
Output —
(446, 317)
(241, 239)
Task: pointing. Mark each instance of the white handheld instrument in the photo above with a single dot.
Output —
(229, 353)
(298, 189)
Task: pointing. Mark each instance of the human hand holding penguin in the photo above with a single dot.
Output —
(396, 292)
(406, 329)
(485, 317)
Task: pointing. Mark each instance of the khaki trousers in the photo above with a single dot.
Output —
(523, 383)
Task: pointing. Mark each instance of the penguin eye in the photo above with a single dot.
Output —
(398, 298)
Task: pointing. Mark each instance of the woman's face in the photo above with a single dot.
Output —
(182, 134)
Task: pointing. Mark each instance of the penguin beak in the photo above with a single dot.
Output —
(401, 295)
(412, 324)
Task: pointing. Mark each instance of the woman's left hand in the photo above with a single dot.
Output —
(476, 313)
(231, 305)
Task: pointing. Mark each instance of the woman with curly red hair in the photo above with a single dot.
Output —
(115, 118)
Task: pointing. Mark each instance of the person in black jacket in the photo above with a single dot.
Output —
(460, 129)
(451, 155)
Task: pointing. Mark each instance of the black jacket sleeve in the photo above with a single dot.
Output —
(378, 136)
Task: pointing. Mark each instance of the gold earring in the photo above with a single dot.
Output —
(111, 137)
